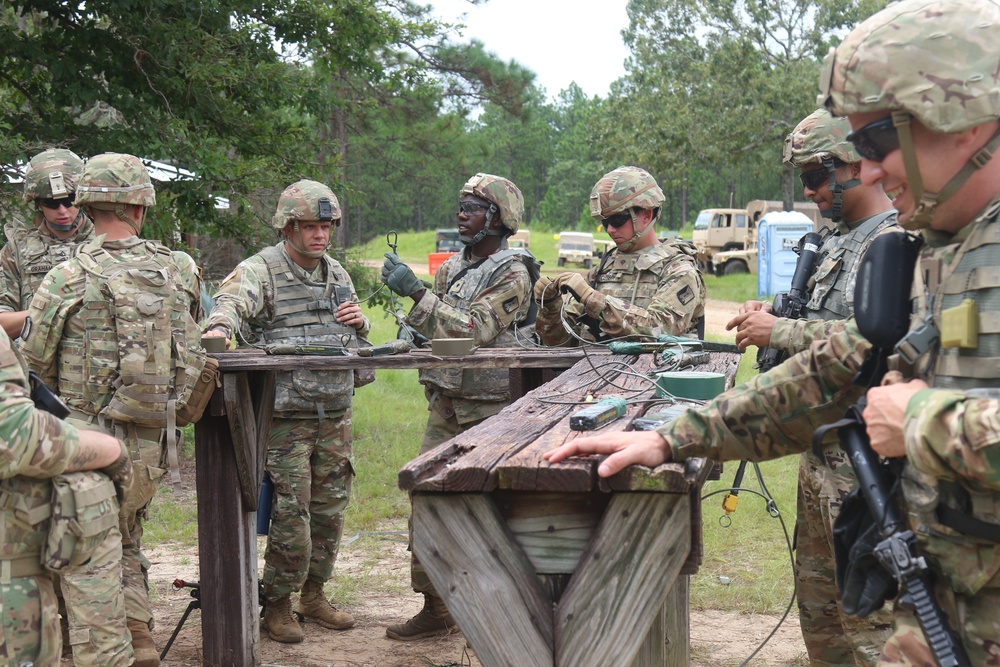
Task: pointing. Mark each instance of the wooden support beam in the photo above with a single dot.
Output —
(243, 430)
(623, 580)
(463, 543)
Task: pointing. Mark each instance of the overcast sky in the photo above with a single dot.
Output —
(560, 40)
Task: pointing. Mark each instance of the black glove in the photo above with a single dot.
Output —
(863, 583)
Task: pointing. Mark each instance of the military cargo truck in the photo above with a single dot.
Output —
(726, 238)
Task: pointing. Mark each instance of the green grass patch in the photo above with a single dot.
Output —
(739, 288)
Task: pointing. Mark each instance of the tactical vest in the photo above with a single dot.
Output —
(832, 295)
(36, 253)
(634, 277)
(141, 352)
(305, 314)
(957, 272)
(480, 384)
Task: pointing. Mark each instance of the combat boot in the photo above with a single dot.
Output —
(433, 620)
(143, 646)
(279, 622)
(314, 605)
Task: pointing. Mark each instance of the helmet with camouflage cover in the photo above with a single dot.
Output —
(115, 178)
(306, 200)
(933, 60)
(52, 174)
(623, 189)
(821, 138)
(505, 197)
(819, 135)
(114, 181)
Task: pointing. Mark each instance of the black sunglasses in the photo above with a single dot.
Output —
(470, 207)
(54, 204)
(618, 220)
(814, 179)
(875, 140)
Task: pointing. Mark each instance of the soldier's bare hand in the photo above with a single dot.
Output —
(349, 313)
(753, 306)
(885, 413)
(752, 328)
(646, 448)
(216, 333)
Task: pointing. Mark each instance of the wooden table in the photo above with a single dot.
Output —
(229, 455)
(549, 565)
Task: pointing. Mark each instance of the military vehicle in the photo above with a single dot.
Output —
(575, 248)
(726, 238)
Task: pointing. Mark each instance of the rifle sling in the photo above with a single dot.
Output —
(968, 525)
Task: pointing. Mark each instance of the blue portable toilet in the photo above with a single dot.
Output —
(778, 234)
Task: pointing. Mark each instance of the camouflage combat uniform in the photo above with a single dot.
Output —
(652, 291)
(36, 447)
(309, 454)
(953, 456)
(486, 303)
(28, 256)
(71, 342)
(831, 637)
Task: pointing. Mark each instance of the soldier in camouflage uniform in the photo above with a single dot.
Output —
(71, 339)
(36, 447)
(57, 228)
(917, 83)
(294, 293)
(831, 178)
(641, 287)
(483, 293)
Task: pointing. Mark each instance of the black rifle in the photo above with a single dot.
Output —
(44, 398)
(883, 318)
(791, 304)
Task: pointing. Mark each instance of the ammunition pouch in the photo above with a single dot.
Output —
(84, 510)
(363, 376)
(192, 410)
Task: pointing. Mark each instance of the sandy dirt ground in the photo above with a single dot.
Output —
(381, 566)
(718, 638)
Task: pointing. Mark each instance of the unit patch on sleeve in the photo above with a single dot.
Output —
(686, 295)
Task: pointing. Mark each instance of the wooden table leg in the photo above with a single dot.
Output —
(227, 551)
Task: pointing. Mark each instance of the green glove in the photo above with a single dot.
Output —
(399, 277)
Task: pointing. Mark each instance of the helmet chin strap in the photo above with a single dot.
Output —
(311, 254)
(629, 246)
(836, 213)
(71, 226)
(485, 231)
(926, 202)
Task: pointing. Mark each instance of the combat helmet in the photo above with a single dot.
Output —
(821, 138)
(306, 200)
(112, 181)
(626, 189)
(933, 60)
(504, 197)
(53, 174)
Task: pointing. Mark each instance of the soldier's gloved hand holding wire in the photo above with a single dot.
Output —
(575, 284)
(399, 277)
(547, 294)
(120, 472)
